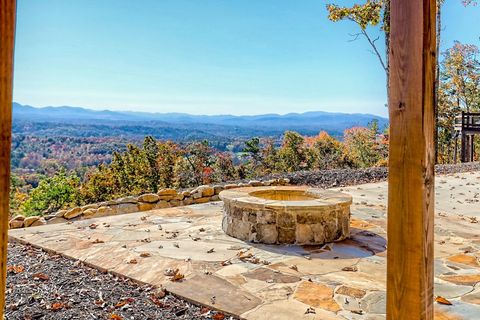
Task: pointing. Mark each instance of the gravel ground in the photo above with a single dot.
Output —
(348, 177)
(41, 285)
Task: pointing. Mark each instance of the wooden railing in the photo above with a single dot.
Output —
(468, 122)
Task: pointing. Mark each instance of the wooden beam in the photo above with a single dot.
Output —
(7, 41)
(411, 160)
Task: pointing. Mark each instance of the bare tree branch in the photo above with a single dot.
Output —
(372, 43)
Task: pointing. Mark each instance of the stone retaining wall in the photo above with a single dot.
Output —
(165, 198)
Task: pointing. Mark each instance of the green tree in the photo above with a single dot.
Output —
(328, 152)
(293, 154)
(459, 91)
(269, 157)
(52, 194)
(360, 147)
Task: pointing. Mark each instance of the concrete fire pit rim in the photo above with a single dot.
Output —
(322, 197)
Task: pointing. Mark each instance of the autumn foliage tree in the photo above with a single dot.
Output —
(327, 151)
(459, 91)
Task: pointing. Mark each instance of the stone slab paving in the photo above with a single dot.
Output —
(342, 280)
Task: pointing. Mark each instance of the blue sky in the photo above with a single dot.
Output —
(203, 57)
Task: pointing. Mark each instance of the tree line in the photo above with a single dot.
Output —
(157, 164)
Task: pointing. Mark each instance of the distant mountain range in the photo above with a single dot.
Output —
(178, 126)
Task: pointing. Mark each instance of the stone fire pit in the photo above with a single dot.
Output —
(286, 215)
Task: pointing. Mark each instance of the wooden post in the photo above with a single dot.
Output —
(463, 147)
(7, 41)
(411, 160)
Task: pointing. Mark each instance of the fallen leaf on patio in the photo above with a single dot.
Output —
(211, 250)
(442, 300)
(98, 241)
(310, 310)
(170, 272)
(177, 277)
(350, 268)
(294, 267)
(93, 226)
(40, 276)
(226, 263)
(145, 255)
(58, 306)
(16, 269)
(133, 261)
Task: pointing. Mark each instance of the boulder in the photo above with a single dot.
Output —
(57, 220)
(149, 198)
(126, 200)
(202, 200)
(60, 213)
(39, 222)
(162, 205)
(127, 208)
(105, 211)
(73, 213)
(218, 189)
(89, 213)
(255, 183)
(206, 191)
(90, 206)
(167, 192)
(30, 220)
(15, 224)
(145, 206)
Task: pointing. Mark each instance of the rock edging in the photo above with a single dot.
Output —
(165, 198)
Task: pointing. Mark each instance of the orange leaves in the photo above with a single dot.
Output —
(114, 316)
(16, 268)
(442, 300)
(218, 316)
(174, 274)
(177, 277)
(124, 302)
(58, 306)
(157, 296)
(40, 276)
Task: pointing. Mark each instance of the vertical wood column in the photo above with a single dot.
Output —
(7, 36)
(411, 160)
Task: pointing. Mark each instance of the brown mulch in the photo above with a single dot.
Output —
(41, 285)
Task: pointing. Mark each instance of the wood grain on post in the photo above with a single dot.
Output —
(411, 160)
(7, 36)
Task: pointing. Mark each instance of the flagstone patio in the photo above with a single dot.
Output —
(342, 280)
